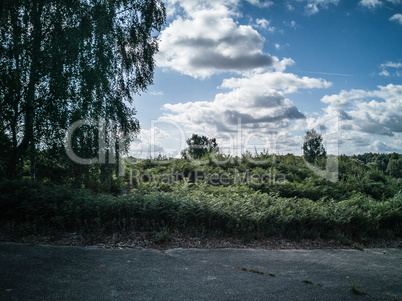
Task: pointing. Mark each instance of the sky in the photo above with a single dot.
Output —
(256, 75)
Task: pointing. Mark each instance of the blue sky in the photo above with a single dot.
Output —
(258, 74)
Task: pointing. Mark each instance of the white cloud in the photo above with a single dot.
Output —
(141, 146)
(156, 93)
(377, 112)
(286, 82)
(368, 121)
(204, 38)
(188, 7)
(395, 2)
(155, 141)
(313, 6)
(277, 46)
(359, 143)
(371, 3)
(207, 40)
(239, 114)
(397, 18)
(255, 109)
(384, 73)
(291, 24)
(385, 69)
(391, 64)
(261, 3)
(263, 23)
(256, 103)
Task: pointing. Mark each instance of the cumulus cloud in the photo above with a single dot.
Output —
(369, 121)
(351, 143)
(256, 103)
(380, 147)
(253, 108)
(287, 82)
(361, 120)
(207, 40)
(371, 3)
(376, 112)
(239, 114)
(265, 24)
(397, 18)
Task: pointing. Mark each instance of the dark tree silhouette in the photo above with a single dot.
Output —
(313, 147)
(68, 60)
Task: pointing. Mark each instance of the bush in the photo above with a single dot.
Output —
(234, 210)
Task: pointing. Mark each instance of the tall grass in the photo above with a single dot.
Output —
(31, 207)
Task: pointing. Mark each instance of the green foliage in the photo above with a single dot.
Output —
(268, 196)
(313, 149)
(31, 207)
(199, 146)
(64, 61)
(286, 175)
(394, 168)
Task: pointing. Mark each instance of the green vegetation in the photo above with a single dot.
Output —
(70, 72)
(199, 146)
(256, 196)
(313, 149)
(64, 62)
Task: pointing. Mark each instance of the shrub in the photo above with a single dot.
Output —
(234, 210)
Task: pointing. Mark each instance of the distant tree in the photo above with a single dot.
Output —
(68, 60)
(198, 146)
(312, 147)
(394, 168)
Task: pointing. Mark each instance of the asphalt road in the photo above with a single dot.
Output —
(30, 272)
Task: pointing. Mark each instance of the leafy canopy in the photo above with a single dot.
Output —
(313, 147)
(68, 60)
(199, 146)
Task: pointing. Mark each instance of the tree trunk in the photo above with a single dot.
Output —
(28, 143)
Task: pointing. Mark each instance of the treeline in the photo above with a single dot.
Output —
(374, 175)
